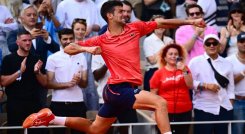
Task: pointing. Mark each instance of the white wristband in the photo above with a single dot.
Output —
(19, 75)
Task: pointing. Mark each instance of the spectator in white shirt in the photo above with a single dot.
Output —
(211, 101)
(67, 96)
(238, 62)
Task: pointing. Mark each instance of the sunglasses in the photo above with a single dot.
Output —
(195, 13)
(242, 41)
(208, 44)
(236, 11)
(79, 20)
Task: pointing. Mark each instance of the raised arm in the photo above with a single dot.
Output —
(74, 48)
(173, 23)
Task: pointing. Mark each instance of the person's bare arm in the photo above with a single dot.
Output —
(239, 77)
(100, 72)
(191, 42)
(73, 49)
(8, 79)
(154, 91)
(52, 84)
(152, 59)
(173, 23)
(84, 79)
(223, 39)
(187, 75)
(1, 94)
(42, 78)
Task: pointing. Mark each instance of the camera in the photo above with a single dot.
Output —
(178, 59)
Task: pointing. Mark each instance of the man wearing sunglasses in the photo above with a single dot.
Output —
(191, 37)
(238, 62)
(211, 100)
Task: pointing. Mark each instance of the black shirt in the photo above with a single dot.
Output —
(26, 88)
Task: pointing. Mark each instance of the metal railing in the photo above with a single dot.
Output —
(130, 125)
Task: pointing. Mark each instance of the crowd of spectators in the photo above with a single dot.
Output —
(181, 65)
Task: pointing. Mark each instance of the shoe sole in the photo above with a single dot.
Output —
(36, 117)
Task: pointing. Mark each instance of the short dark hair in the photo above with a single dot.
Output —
(236, 7)
(65, 31)
(127, 3)
(109, 7)
(22, 31)
(194, 5)
(80, 21)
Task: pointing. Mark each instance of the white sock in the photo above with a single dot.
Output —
(58, 121)
(168, 133)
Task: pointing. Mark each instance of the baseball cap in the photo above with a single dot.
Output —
(241, 36)
(209, 36)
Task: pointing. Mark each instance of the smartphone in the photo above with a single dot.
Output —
(39, 25)
(178, 59)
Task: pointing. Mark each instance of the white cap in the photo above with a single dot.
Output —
(209, 36)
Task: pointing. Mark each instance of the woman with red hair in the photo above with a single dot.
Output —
(172, 82)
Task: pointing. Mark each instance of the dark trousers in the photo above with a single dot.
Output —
(17, 111)
(212, 128)
(179, 117)
(68, 109)
(147, 78)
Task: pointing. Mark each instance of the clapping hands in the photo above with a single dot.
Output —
(75, 80)
(37, 67)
